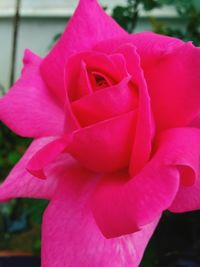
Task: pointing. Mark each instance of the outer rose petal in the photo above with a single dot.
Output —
(87, 27)
(171, 71)
(174, 83)
(20, 183)
(28, 108)
(121, 206)
(71, 237)
(46, 155)
(187, 198)
(150, 46)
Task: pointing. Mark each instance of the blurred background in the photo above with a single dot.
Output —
(36, 25)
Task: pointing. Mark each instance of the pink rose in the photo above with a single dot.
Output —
(115, 118)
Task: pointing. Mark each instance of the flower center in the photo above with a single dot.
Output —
(99, 81)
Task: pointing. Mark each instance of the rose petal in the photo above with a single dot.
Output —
(71, 237)
(145, 126)
(181, 148)
(28, 108)
(150, 46)
(171, 71)
(105, 146)
(169, 59)
(187, 198)
(87, 27)
(46, 155)
(20, 183)
(79, 66)
(77, 80)
(106, 103)
(173, 83)
(121, 205)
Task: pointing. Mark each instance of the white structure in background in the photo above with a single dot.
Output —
(40, 21)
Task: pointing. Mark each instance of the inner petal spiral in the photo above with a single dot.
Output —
(99, 81)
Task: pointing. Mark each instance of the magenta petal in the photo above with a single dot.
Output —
(177, 73)
(45, 156)
(121, 205)
(87, 27)
(104, 104)
(105, 146)
(20, 183)
(187, 198)
(28, 108)
(145, 126)
(150, 46)
(172, 65)
(71, 237)
(181, 148)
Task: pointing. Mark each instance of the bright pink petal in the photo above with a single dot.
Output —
(174, 83)
(71, 236)
(187, 198)
(180, 148)
(20, 183)
(150, 46)
(105, 146)
(87, 27)
(76, 77)
(171, 71)
(145, 126)
(121, 205)
(28, 108)
(106, 103)
(45, 156)
(80, 66)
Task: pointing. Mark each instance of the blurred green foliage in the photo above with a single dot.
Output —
(127, 15)
(188, 11)
(20, 219)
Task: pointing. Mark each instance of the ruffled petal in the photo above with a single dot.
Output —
(46, 155)
(187, 198)
(28, 108)
(105, 146)
(121, 205)
(87, 27)
(20, 183)
(71, 237)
